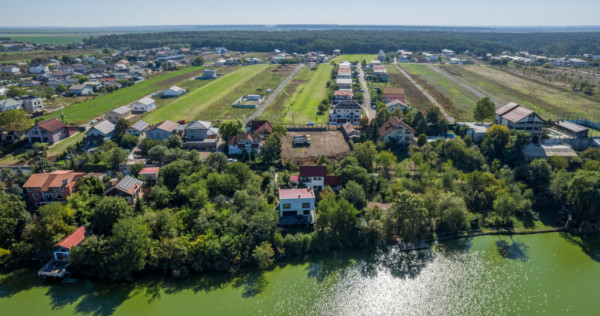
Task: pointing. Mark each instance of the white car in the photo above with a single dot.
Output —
(92, 122)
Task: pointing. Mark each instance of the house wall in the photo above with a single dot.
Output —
(36, 134)
(296, 205)
(158, 134)
(115, 117)
(400, 135)
(196, 134)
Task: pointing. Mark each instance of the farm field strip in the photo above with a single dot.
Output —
(354, 58)
(547, 100)
(303, 105)
(192, 104)
(462, 100)
(414, 97)
(85, 111)
(270, 78)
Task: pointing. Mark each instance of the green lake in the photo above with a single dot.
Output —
(542, 274)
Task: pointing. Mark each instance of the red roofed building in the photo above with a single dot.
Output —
(340, 95)
(296, 207)
(262, 128)
(50, 131)
(396, 131)
(390, 93)
(150, 174)
(316, 178)
(43, 188)
(62, 248)
(245, 142)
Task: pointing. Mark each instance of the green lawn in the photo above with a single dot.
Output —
(59, 148)
(546, 99)
(355, 58)
(269, 78)
(301, 107)
(192, 105)
(86, 111)
(463, 99)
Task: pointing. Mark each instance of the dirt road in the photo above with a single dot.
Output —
(273, 95)
(462, 84)
(449, 118)
(366, 97)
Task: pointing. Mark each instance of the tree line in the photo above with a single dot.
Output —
(359, 41)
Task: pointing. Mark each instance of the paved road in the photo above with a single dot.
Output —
(366, 97)
(449, 118)
(273, 95)
(462, 84)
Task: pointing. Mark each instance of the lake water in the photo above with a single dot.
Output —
(544, 274)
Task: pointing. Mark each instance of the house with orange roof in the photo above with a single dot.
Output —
(394, 130)
(44, 188)
(57, 267)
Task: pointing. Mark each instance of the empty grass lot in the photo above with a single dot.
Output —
(463, 100)
(303, 105)
(355, 58)
(191, 105)
(546, 99)
(86, 111)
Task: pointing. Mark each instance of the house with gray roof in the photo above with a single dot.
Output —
(99, 133)
(138, 128)
(81, 89)
(144, 105)
(200, 130)
(128, 188)
(9, 104)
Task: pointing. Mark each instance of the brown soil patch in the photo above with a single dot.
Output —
(329, 143)
(283, 69)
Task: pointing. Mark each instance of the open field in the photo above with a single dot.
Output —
(355, 58)
(194, 103)
(462, 99)
(329, 143)
(6, 57)
(415, 98)
(269, 78)
(544, 98)
(302, 105)
(85, 111)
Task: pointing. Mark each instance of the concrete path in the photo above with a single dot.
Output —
(273, 95)
(449, 118)
(463, 84)
(366, 96)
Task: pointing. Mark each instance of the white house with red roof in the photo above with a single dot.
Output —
(50, 131)
(316, 178)
(296, 207)
(57, 267)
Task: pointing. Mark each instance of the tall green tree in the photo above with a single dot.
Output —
(231, 128)
(365, 153)
(13, 218)
(484, 109)
(107, 212)
(130, 246)
(15, 120)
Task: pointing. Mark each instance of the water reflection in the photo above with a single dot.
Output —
(512, 249)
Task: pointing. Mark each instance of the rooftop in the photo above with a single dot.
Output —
(572, 127)
(167, 126)
(72, 240)
(122, 110)
(306, 193)
(140, 126)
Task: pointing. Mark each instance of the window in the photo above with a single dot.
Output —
(289, 213)
(306, 205)
(306, 212)
(287, 205)
(35, 196)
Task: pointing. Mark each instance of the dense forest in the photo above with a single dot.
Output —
(216, 215)
(360, 41)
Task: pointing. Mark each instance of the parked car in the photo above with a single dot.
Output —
(311, 123)
(92, 122)
(181, 122)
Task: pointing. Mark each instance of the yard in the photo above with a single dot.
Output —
(329, 143)
(194, 103)
(83, 112)
(546, 99)
(302, 103)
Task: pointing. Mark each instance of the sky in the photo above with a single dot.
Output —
(70, 13)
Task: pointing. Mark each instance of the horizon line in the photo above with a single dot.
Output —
(307, 24)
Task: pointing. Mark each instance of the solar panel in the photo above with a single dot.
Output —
(127, 183)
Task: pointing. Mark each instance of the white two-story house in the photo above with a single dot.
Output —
(346, 111)
(296, 207)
